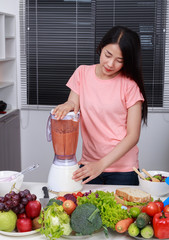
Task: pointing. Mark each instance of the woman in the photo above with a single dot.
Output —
(112, 101)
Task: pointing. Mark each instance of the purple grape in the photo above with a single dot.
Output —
(7, 197)
(9, 203)
(15, 202)
(34, 197)
(2, 206)
(16, 209)
(29, 197)
(22, 194)
(24, 201)
(16, 197)
(22, 210)
(12, 193)
(26, 191)
(6, 208)
(2, 199)
(20, 206)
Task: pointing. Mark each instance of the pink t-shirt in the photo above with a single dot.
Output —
(103, 106)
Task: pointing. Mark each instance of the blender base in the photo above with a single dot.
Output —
(60, 179)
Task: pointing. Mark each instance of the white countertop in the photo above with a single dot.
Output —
(36, 188)
(7, 112)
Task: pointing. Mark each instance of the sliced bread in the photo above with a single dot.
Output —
(133, 194)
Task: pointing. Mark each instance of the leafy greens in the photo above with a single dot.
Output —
(55, 222)
(110, 211)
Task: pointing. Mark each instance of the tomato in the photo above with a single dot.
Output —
(33, 209)
(75, 195)
(61, 198)
(21, 215)
(79, 194)
(152, 209)
(24, 224)
(143, 209)
(69, 206)
(160, 204)
(166, 209)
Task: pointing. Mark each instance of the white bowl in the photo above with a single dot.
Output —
(157, 189)
(7, 186)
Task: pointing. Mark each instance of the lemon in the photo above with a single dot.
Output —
(135, 211)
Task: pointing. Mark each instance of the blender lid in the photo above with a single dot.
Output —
(69, 116)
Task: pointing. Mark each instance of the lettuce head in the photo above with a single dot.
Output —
(55, 222)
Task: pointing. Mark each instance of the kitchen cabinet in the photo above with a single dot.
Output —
(8, 59)
(10, 150)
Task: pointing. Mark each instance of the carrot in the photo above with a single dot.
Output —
(123, 225)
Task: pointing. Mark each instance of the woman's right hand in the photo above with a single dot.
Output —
(61, 110)
(72, 104)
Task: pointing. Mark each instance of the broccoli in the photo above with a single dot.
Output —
(86, 219)
(54, 200)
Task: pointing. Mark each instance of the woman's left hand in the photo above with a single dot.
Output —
(90, 170)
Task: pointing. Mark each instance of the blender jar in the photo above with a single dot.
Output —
(64, 136)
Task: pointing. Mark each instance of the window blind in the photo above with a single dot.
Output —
(59, 38)
(147, 18)
(63, 34)
(166, 72)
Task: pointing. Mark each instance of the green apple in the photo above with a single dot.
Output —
(7, 221)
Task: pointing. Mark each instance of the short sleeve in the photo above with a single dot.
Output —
(133, 94)
(74, 81)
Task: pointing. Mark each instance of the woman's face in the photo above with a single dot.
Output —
(111, 61)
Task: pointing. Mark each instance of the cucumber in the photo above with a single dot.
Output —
(133, 230)
(142, 220)
(147, 232)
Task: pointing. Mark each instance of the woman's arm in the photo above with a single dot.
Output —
(92, 170)
(132, 136)
(72, 104)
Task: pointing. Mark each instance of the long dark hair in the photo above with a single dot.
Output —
(129, 43)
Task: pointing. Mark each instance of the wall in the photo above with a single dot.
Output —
(153, 144)
(9, 6)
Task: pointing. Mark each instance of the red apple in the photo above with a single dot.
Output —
(24, 224)
(33, 209)
(22, 215)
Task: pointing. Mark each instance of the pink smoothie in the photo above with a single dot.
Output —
(64, 137)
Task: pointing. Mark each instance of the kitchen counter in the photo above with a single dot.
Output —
(36, 188)
(7, 112)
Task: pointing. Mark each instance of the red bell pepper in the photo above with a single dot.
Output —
(161, 225)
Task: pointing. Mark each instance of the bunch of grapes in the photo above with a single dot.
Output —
(16, 201)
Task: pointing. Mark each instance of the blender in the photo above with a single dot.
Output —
(64, 136)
